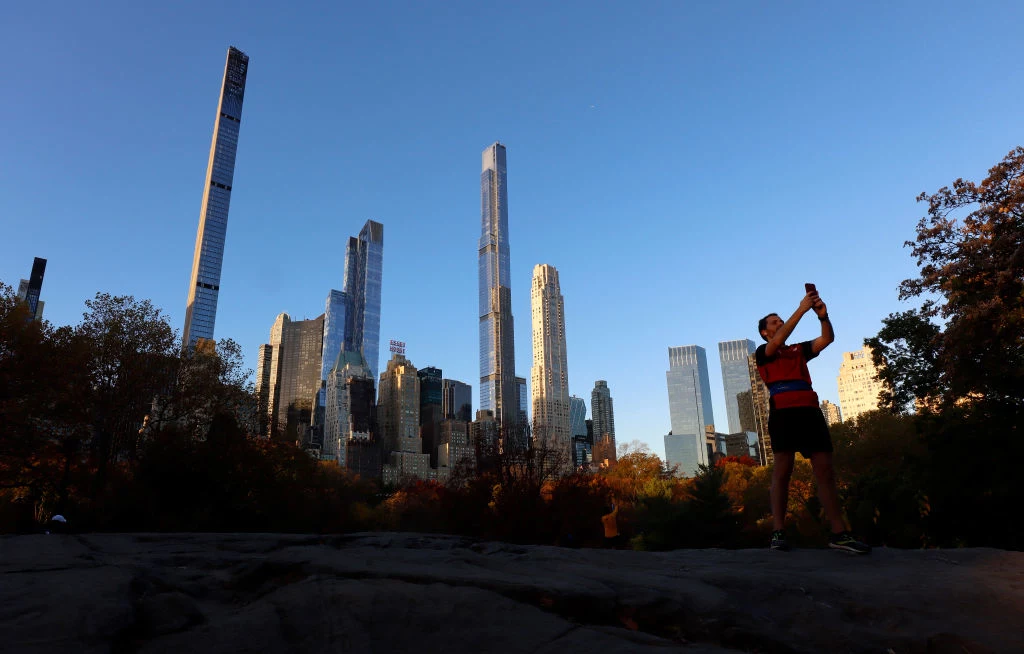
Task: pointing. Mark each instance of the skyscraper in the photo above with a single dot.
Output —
(335, 310)
(549, 377)
(431, 410)
(759, 399)
(603, 416)
(289, 375)
(577, 417)
(736, 380)
(30, 289)
(204, 287)
(859, 385)
(831, 413)
(349, 407)
(398, 420)
(498, 391)
(582, 447)
(456, 400)
(364, 268)
(689, 403)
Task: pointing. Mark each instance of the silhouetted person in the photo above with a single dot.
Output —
(795, 421)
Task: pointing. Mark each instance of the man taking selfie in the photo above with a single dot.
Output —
(795, 421)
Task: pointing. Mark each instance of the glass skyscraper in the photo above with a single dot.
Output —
(30, 289)
(456, 400)
(364, 266)
(498, 392)
(689, 403)
(736, 381)
(578, 417)
(204, 287)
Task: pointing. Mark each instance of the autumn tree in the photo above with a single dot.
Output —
(970, 252)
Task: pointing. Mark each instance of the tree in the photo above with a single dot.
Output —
(972, 273)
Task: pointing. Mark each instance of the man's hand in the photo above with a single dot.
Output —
(820, 308)
(808, 302)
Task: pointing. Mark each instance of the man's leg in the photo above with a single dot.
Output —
(781, 473)
(824, 474)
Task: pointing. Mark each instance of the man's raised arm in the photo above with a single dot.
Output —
(787, 328)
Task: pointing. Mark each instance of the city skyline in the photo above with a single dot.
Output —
(598, 183)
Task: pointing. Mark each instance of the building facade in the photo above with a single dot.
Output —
(831, 412)
(398, 420)
(602, 414)
(349, 411)
(549, 376)
(364, 269)
(30, 289)
(431, 411)
(456, 400)
(204, 287)
(759, 399)
(689, 403)
(497, 347)
(733, 357)
(859, 385)
(288, 377)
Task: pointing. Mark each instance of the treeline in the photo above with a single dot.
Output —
(111, 424)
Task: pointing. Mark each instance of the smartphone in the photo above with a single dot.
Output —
(809, 288)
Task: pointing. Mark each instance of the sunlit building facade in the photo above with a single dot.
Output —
(204, 288)
(549, 376)
(859, 385)
(689, 402)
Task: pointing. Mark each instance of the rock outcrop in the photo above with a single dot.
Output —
(386, 592)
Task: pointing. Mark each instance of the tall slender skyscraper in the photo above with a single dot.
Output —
(498, 391)
(549, 381)
(736, 381)
(364, 268)
(603, 415)
(689, 403)
(204, 288)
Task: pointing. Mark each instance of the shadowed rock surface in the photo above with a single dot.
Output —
(387, 592)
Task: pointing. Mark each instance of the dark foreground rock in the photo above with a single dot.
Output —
(381, 593)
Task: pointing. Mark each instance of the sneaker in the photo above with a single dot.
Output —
(846, 542)
(779, 542)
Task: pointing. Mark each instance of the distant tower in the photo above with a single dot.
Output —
(549, 381)
(858, 384)
(831, 413)
(689, 403)
(736, 381)
(398, 420)
(288, 376)
(603, 416)
(30, 289)
(364, 269)
(497, 348)
(204, 288)
(456, 400)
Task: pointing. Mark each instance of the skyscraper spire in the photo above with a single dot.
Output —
(498, 390)
(213, 218)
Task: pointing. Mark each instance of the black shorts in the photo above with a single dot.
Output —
(799, 429)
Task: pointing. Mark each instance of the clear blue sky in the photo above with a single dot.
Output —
(685, 167)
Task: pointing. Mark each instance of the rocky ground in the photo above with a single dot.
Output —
(388, 592)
